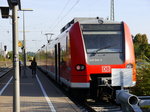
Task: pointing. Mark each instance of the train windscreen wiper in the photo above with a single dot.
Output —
(103, 48)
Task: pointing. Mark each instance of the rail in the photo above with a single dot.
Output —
(5, 66)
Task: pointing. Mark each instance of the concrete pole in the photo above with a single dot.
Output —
(24, 40)
(16, 91)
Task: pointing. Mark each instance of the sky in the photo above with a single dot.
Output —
(49, 16)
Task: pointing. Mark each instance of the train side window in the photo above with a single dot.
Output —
(67, 43)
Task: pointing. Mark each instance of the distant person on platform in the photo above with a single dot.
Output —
(33, 67)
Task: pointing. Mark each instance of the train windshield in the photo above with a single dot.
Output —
(103, 41)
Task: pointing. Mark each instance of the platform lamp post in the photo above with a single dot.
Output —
(5, 12)
(14, 4)
(47, 34)
(48, 41)
(24, 39)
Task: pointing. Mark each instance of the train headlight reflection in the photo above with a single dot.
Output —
(129, 65)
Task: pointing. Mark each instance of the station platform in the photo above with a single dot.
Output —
(37, 94)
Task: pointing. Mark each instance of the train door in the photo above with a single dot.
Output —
(57, 62)
(56, 49)
(58, 69)
(46, 57)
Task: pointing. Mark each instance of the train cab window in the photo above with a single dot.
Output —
(103, 41)
(110, 39)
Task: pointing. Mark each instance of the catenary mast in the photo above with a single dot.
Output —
(112, 13)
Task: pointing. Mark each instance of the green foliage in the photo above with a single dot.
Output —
(30, 55)
(146, 107)
(42, 55)
(137, 38)
(141, 46)
(142, 53)
(1, 58)
(143, 79)
(21, 56)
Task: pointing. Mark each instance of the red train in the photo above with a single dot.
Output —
(85, 53)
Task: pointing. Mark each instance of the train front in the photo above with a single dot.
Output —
(107, 46)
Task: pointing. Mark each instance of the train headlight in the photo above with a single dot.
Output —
(80, 67)
(129, 65)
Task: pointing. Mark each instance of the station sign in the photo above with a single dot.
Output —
(20, 44)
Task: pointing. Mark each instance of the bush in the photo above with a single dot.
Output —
(143, 80)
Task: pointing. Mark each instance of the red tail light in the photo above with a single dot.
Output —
(80, 67)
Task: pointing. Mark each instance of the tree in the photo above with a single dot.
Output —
(147, 51)
(1, 57)
(137, 38)
(141, 47)
(144, 39)
(10, 54)
(143, 81)
(142, 52)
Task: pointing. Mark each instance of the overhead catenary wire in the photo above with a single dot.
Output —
(60, 14)
(65, 15)
(70, 9)
(62, 11)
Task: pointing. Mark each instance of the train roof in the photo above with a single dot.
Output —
(82, 20)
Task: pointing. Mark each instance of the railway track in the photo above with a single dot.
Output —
(103, 106)
(90, 105)
(5, 67)
(4, 71)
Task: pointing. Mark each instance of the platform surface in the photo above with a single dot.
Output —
(38, 94)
